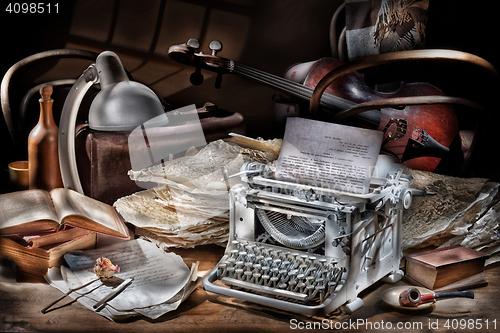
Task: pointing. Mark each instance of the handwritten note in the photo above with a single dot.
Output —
(328, 155)
(158, 276)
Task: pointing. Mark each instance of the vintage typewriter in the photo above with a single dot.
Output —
(308, 249)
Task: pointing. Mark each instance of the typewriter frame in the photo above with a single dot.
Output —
(371, 223)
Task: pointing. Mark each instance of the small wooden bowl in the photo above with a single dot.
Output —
(18, 174)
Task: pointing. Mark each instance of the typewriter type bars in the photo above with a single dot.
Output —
(307, 249)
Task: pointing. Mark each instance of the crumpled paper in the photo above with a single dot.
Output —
(455, 211)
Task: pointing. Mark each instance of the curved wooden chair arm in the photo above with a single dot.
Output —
(380, 59)
(46, 55)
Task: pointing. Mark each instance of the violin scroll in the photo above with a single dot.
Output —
(188, 54)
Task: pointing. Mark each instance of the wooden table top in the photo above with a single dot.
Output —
(207, 312)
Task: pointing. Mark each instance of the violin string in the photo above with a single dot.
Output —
(278, 82)
(305, 92)
(295, 88)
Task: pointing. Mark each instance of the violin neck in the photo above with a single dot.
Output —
(328, 102)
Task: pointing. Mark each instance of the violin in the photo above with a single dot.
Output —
(418, 135)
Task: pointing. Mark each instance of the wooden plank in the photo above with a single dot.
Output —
(202, 312)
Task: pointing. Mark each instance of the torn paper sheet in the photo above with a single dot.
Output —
(452, 205)
(205, 169)
(55, 278)
(483, 235)
(328, 155)
(158, 275)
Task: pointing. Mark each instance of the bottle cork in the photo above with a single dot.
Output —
(46, 92)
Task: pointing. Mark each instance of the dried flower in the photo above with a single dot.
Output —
(103, 268)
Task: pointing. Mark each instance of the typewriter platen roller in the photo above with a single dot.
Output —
(309, 249)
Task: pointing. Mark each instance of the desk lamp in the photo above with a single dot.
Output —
(121, 105)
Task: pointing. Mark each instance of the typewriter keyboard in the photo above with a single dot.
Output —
(281, 272)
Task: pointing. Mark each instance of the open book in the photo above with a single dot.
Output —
(35, 212)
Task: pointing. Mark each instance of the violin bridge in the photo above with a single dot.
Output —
(400, 130)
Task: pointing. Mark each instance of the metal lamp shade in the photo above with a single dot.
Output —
(122, 105)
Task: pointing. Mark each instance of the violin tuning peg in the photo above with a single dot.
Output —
(196, 78)
(194, 43)
(215, 46)
(218, 81)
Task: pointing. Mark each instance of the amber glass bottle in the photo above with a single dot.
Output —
(44, 172)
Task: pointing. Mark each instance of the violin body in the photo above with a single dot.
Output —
(439, 121)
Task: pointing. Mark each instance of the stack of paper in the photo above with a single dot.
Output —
(184, 219)
(161, 280)
(190, 205)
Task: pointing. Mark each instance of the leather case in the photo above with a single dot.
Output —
(103, 157)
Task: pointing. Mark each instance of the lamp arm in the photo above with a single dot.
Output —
(67, 124)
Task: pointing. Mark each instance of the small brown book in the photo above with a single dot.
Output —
(57, 237)
(450, 268)
(36, 260)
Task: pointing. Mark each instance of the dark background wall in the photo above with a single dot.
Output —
(269, 35)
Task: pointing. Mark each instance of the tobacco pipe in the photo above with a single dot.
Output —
(412, 296)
